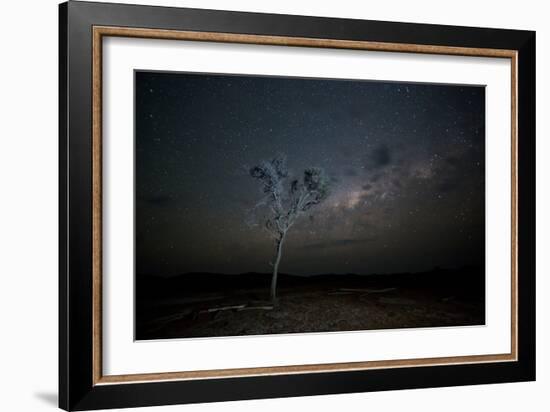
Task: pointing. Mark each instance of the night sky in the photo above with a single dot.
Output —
(406, 163)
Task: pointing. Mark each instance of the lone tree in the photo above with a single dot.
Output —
(286, 201)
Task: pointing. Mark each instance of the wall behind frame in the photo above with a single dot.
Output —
(28, 218)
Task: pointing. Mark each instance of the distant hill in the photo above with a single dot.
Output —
(467, 281)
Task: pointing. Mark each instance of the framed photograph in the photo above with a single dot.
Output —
(257, 205)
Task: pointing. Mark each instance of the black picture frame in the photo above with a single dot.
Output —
(77, 387)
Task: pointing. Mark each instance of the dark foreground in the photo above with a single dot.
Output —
(206, 305)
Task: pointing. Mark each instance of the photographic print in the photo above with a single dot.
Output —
(272, 205)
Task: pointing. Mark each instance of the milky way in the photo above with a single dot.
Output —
(406, 163)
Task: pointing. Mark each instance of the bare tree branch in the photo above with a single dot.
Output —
(286, 205)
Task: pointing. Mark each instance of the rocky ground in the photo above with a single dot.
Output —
(328, 306)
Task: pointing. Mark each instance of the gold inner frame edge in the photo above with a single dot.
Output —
(98, 32)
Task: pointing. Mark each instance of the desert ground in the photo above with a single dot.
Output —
(208, 305)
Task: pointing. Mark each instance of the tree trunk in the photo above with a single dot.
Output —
(276, 268)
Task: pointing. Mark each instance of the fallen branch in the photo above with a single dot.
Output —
(212, 310)
(257, 307)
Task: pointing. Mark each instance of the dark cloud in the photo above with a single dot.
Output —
(380, 157)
